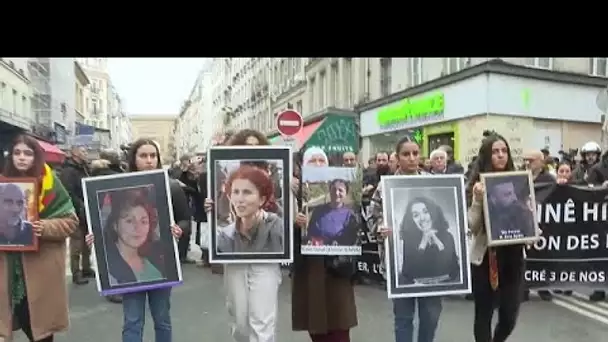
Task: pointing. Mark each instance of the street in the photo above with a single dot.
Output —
(199, 314)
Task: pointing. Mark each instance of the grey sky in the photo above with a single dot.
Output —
(154, 85)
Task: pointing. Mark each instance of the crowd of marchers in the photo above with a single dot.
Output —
(34, 296)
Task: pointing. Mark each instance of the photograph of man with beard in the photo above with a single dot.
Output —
(510, 209)
(15, 226)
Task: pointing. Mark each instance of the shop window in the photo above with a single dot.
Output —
(437, 140)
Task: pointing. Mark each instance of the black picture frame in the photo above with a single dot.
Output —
(447, 194)
(219, 157)
(114, 275)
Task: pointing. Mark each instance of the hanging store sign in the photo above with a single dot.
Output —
(412, 110)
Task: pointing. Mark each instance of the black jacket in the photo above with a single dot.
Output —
(102, 167)
(71, 177)
(181, 211)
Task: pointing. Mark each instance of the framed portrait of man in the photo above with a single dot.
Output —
(18, 210)
(427, 252)
(509, 208)
(130, 216)
(253, 215)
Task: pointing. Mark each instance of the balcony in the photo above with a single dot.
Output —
(16, 119)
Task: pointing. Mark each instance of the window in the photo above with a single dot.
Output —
(299, 106)
(598, 66)
(2, 91)
(24, 108)
(540, 62)
(322, 89)
(14, 101)
(415, 71)
(335, 77)
(454, 64)
(386, 66)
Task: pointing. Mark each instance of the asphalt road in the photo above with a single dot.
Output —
(199, 314)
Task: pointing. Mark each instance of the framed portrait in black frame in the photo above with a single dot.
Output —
(252, 219)
(427, 252)
(130, 216)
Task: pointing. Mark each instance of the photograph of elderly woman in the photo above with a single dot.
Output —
(426, 236)
(250, 207)
(333, 197)
(18, 208)
(131, 239)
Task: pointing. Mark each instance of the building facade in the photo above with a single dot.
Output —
(98, 93)
(195, 123)
(119, 122)
(533, 107)
(15, 94)
(159, 128)
(80, 93)
(314, 85)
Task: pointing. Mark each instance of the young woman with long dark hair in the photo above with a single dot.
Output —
(404, 309)
(144, 155)
(34, 297)
(497, 272)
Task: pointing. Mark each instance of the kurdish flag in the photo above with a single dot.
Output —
(54, 200)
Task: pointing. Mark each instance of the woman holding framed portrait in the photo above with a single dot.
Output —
(252, 288)
(404, 309)
(494, 268)
(131, 211)
(37, 274)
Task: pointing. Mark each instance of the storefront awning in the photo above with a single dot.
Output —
(334, 133)
(52, 153)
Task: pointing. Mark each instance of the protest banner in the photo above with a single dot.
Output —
(573, 248)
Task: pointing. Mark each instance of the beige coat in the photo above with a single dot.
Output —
(44, 273)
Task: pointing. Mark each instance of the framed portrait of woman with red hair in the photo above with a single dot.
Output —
(130, 216)
(253, 205)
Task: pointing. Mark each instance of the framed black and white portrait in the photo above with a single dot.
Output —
(427, 252)
(253, 215)
(130, 215)
(509, 208)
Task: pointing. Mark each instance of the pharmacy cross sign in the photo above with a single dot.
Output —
(289, 122)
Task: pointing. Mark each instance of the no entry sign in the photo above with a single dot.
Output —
(289, 122)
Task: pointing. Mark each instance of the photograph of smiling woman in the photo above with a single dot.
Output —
(131, 241)
(429, 252)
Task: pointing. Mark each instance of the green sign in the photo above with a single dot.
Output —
(411, 110)
(337, 134)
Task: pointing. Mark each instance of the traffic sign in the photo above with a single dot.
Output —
(289, 122)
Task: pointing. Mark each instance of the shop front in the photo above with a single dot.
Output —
(532, 108)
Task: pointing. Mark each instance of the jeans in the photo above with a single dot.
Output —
(252, 300)
(404, 309)
(134, 312)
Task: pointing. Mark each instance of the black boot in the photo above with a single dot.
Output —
(88, 273)
(78, 279)
(114, 299)
(597, 296)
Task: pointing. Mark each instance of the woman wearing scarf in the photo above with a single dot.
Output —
(34, 297)
(404, 309)
(252, 289)
(498, 272)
